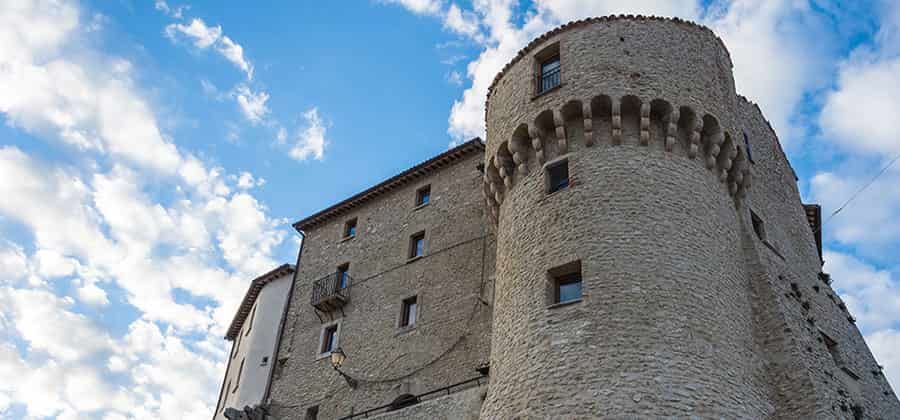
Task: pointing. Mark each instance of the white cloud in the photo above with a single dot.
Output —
(884, 345)
(463, 23)
(197, 31)
(247, 181)
(176, 12)
(234, 53)
(455, 78)
(42, 319)
(858, 111)
(419, 7)
(870, 294)
(311, 142)
(203, 36)
(252, 105)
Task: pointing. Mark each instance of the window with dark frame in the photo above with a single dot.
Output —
(758, 226)
(409, 312)
(549, 74)
(568, 288)
(557, 176)
(417, 245)
(423, 195)
(237, 346)
(343, 276)
(312, 413)
(329, 339)
(350, 228)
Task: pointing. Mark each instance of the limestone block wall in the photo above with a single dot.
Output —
(812, 383)
(452, 282)
(644, 119)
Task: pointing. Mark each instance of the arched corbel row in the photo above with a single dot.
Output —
(695, 138)
(616, 122)
(537, 144)
(518, 150)
(726, 157)
(672, 132)
(588, 123)
(645, 124)
(559, 127)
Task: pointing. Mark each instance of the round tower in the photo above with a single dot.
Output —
(619, 166)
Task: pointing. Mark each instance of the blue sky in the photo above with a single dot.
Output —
(153, 154)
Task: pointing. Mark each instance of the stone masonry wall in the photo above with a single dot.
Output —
(453, 283)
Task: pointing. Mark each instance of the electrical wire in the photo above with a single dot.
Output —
(863, 188)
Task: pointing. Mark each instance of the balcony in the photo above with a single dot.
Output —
(331, 292)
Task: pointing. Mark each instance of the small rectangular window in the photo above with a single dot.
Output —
(747, 146)
(343, 276)
(265, 361)
(758, 227)
(549, 74)
(350, 228)
(329, 339)
(423, 195)
(417, 245)
(833, 349)
(557, 176)
(237, 346)
(312, 413)
(408, 314)
(565, 283)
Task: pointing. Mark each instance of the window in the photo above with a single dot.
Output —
(329, 339)
(417, 245)
(250, 323)
(237, 381)
(312, 413)
(832, 349)
(350, 228)
(408, 312)
(265, 361)
(557, 176)
(758, 226)
(343, 276)
(423, 196)
(549, 74)
(747, 146)
(237, 346)
(565, 283)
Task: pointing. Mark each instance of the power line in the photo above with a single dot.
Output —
(855, 194)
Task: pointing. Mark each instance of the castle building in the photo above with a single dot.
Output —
(253, 333)
(628, 242)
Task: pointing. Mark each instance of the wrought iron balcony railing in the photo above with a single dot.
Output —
(331, 292)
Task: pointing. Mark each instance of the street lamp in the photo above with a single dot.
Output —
(337, 359)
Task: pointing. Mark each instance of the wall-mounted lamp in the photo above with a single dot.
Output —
(337, 359)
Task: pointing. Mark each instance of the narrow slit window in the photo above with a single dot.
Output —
(747, 146)
(350, 228)
(409, 312)
(423, 196)
(329, 339)
(557, 176)
(758, 226)
(417, 245)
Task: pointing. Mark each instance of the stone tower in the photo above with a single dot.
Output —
(701, 296)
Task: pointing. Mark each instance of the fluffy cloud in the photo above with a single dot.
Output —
(884, 345)
(143, 217)
(420, 7)
(311, 140)
(203, 36)
(252, 105)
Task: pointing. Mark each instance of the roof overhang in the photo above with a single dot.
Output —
(250, 297)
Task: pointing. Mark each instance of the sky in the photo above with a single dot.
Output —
(153, 154)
